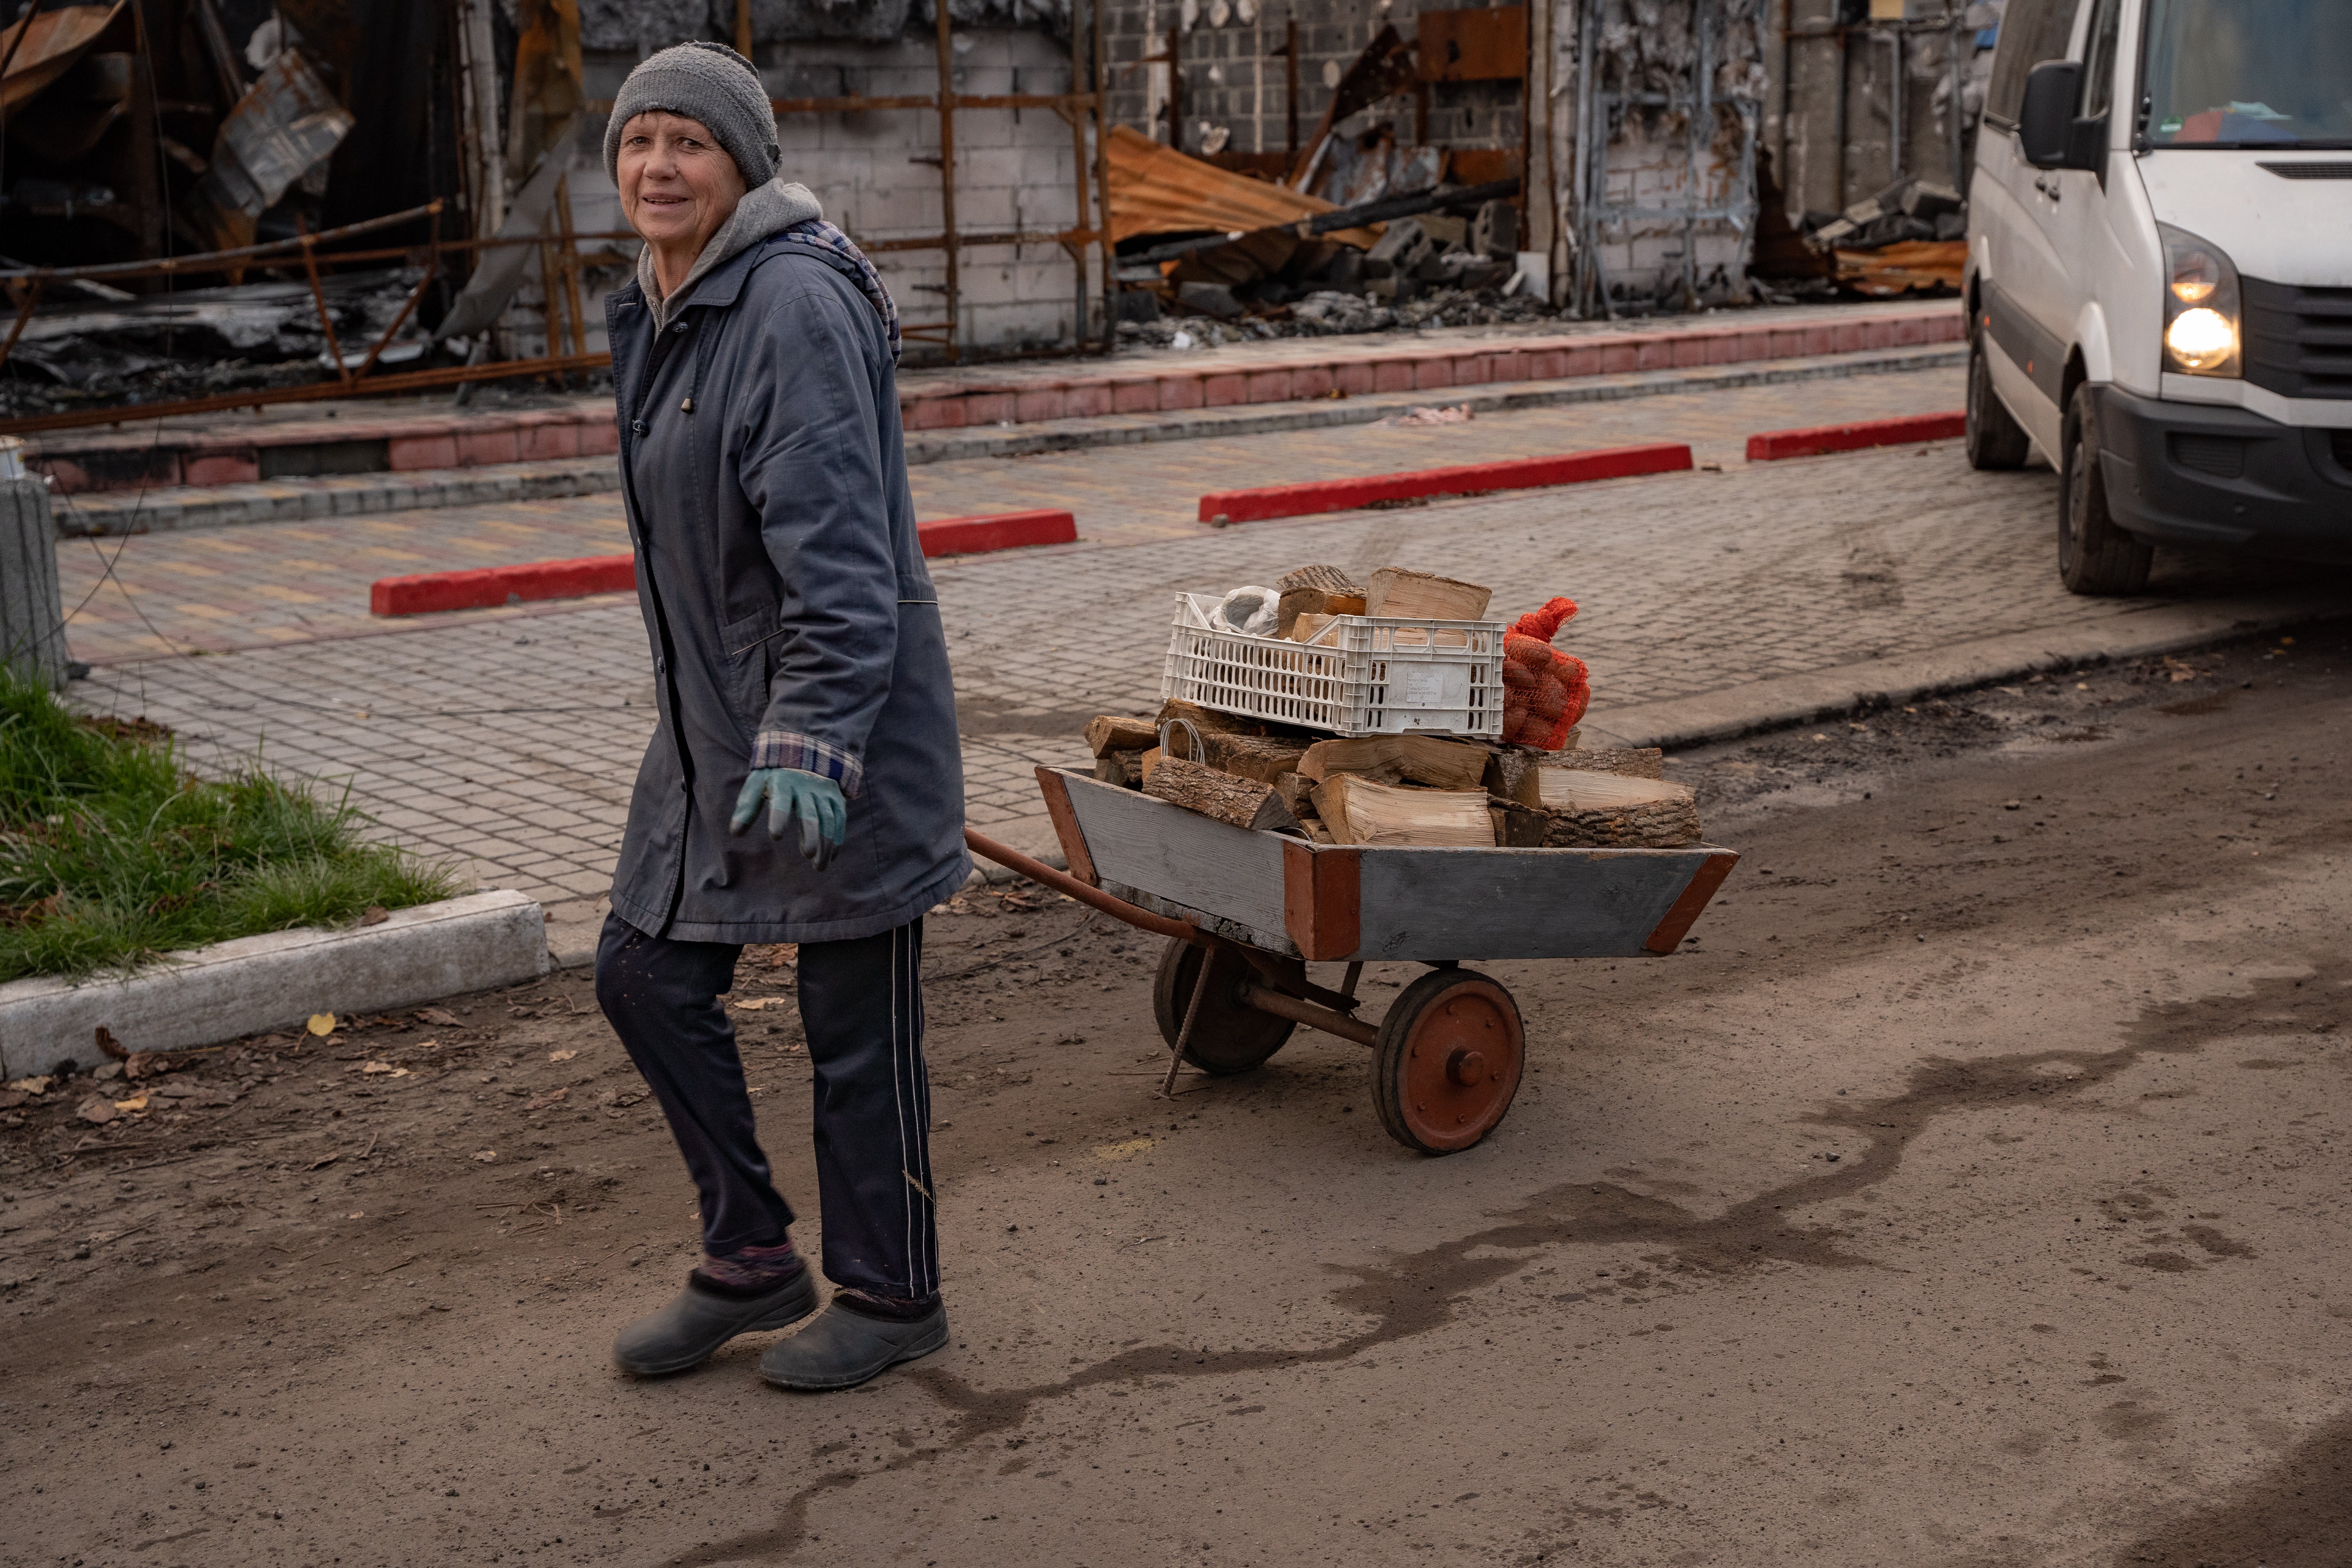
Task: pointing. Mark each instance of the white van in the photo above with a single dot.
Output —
(2160, 276)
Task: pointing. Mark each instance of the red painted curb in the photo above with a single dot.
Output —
(1004, 531)
(429, 591)
(493, 585)
(1773, 445)
(1469, 479)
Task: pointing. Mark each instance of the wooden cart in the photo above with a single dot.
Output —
(1244, 912)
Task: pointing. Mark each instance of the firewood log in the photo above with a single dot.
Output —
(1518, 826)
(1610, 811)
(1634, 762)
(1265, 758)
(1425, 594)
(1512, 772)
(1122, 768)
(1244, 802)
(1396, 759)
(1359, 811)
(1322, 579)
(1298, 603)
(1111, 733)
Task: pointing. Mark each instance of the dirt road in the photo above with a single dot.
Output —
(1971, 1192)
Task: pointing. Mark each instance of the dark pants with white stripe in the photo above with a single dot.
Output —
(861, 1008)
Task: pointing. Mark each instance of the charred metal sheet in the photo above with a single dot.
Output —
(1487, 45)
(286, 124)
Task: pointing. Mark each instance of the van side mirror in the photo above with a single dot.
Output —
(2047, 130)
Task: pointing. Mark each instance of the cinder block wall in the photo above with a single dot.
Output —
(877, 172)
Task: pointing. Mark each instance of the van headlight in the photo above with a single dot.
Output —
(2200, 306)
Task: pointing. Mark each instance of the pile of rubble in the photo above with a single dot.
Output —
(1430, 270)
(110, 347)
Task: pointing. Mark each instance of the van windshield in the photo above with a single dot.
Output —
(2239, 73)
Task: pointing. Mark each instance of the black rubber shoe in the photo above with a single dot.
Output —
(842, 1349)
(698, 1320)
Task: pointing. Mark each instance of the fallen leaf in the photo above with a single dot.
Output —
(375, 916)
(356, 1213)
(486, 1156)
(109, 1045)
(10, 1098)
(761, 1003)
(371, 1069)
(440, 1018)
(542, 1101)
(97, 1109)
(322, 1024)
(33, 1085)
(325, 1159)
(136, 1102)
(560, 1055)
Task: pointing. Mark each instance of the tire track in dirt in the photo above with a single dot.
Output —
(1417, 1293)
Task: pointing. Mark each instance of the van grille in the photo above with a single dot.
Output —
(2223, 456)
(2311, 171)
(2298, 341)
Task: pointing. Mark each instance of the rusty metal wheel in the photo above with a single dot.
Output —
(1230, 1035)
(1448, 1061)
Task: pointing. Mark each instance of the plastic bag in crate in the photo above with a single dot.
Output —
(1545, 691)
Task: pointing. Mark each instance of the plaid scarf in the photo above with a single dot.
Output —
(840, 252)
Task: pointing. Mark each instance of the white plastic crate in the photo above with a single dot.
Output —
(1363, 675)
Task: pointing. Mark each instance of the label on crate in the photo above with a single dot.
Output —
(1424, 685)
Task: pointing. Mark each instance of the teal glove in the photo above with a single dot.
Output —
(790, 792)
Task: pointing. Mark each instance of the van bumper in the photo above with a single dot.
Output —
(2213, 476)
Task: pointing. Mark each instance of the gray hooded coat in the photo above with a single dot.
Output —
(792, 622)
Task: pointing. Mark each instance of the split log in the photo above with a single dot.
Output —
(1110, 734)
(1518, 826)
(1208, 720)
(1397, 592)
(1608, 811)
(1316, 590)
(1570, 789)
(1359, 811)
(1309, 626)
(1244, 802)
(1265, 758)
(1298, 791)
(1512, 772)
(1396, 759)
(1122, 768)
(1322, 579)
(1633, 762)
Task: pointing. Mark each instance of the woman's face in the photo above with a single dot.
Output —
(678, 183)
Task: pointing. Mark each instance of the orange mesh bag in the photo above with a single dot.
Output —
(1545, 691)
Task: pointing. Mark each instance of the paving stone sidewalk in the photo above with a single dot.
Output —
(227, 588)
(511, 744)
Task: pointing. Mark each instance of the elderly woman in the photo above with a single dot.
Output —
(801, 674)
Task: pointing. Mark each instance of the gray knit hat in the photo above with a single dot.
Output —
(709, 82)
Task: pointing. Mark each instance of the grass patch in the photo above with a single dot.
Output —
(111, 853)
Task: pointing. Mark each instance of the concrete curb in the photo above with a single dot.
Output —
(110, 513)
(1310, 497)
(104, 514)
(1328, 414)
(487, 587)
(257, 983)
(1790, 700)
(1771, 445)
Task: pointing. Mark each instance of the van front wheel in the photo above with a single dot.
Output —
(2095, 556)
(1995, 440)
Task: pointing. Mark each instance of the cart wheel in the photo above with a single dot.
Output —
(1230, 1036)
(1448, 1061)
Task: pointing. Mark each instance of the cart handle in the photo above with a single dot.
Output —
(1063, 882)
